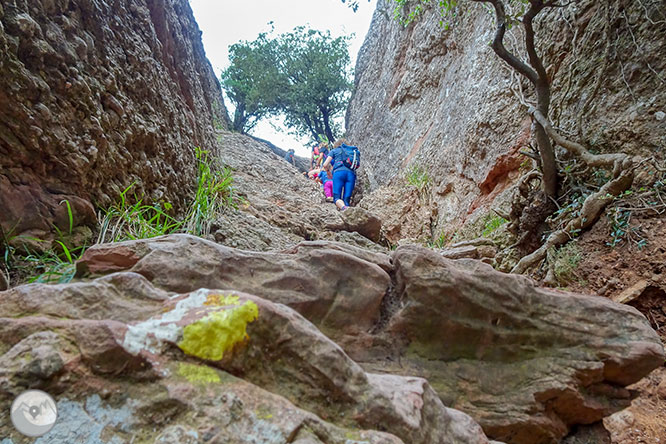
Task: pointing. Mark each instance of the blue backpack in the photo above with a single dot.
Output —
(351, 156)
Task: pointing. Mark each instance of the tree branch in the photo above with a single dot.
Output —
(498, 43)
(535, 60)
(595, 160)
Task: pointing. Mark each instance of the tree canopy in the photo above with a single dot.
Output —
(303, 75)
(249, 81)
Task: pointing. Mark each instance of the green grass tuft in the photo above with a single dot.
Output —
(418, 177)
(214, 193)
(126, 221)
(492, 224)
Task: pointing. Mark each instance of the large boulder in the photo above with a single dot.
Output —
(336, 286)
(163, 371)
(527, 363)
(404, 212)
(362, 221)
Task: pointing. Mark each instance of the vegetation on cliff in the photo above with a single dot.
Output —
(532, 205)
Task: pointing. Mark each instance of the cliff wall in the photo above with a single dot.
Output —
(95, 96)
(441, 99)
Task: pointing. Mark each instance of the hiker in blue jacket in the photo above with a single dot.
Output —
(289, 157)
(345, 160)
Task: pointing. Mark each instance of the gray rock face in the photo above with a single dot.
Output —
(440, 99)
(279, 207)
(96, 96)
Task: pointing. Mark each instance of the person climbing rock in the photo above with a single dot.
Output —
(326, 178)
(313, 174)
(323, 152)
(345, 160)
(289, 157)
(314, 157)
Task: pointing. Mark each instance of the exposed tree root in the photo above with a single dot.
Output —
(594, 204)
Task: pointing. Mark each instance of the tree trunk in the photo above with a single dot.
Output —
(327, 125)
(546, 152)
(239, 118)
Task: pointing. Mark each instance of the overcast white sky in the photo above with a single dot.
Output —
(225, 22)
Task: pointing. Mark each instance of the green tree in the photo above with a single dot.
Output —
(249, 81)
(315, 82)
(304, 75)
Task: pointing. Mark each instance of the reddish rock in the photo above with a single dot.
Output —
(290, 383)
(97, 97)
(525, 362)
(363, 222)
(330, 286)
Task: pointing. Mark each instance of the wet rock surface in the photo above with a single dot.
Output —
(97, 96)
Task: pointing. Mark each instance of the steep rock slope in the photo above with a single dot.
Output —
(96, 96)
(277, 206)
(441, 99)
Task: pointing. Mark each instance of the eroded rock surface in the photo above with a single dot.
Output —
(439, 97)
(96, 96)
(213, 366)
(328, 283)
(527, 363)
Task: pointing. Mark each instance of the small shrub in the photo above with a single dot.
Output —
(418, 178)
(492, 224)
(619, 227)
(50, 267)
(440, 242)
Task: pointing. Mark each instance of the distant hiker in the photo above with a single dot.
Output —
(326, 178)
(345, 159)
(314, 157)
(289, 157)
(323, 153)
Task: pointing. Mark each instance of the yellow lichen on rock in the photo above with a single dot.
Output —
(220, 300)
(198, 373)
(209, 338)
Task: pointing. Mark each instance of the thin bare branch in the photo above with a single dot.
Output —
(535, 60)
(647, 15)
(498, 42)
